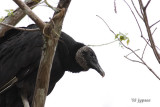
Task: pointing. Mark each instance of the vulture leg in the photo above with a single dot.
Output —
(24, 100)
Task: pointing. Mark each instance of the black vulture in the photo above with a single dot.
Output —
(20, 53)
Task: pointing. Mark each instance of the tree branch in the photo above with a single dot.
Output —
(155, 23)
(29, 12)
(142, 61)
(18, 28)
(147, 5)
(135, 18)
(133, 60)
(132, 51)
(149, 31)
(53, 8)
(51, 33)
(103, 44)
(115, 7)
(18, 15)
(144, 49)
(106, 24)
(136, 9)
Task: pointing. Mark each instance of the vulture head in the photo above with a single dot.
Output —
(87, 59)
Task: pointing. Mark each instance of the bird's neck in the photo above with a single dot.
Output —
(73, 65)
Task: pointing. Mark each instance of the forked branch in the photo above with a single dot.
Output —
(145, 17)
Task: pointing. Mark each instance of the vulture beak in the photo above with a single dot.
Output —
(95, 65)
(98, 68)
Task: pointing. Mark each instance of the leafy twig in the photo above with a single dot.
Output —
(10, 12)
(132, 51)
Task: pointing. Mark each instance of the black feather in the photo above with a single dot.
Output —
(20, 53)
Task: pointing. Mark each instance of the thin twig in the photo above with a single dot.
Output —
(106, 24)
(154, 30)
(147, 5)
(133, 60)
(132, 52)
(103, 44)
(23, 29)
(115, 7)
(135, 18)
(136, 9)
(148, 43)
(155, 23)
(142, 61)
(144, 49)
(53, 8)
(141, 9)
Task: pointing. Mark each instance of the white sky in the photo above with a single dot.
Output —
(124, 80)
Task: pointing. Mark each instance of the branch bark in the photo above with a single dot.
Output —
(153, 46)
(29, 12)
(18, 15)
(51, 33)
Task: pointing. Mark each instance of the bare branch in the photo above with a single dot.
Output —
(135, 18)
(147, 5)
(142, 61)
(115, 7)
(133, 60)
(154, 31)
(155, 23)
(18, 15)
(29, 12)
(136, 9)
(132, 52)
(153, 46)
(23, 29)
(106, 24)
(144, 49)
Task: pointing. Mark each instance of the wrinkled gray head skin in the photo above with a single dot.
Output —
(87, 59)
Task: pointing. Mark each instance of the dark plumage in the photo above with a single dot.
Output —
(20, 53)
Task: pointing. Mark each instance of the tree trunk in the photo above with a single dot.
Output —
(51, 33)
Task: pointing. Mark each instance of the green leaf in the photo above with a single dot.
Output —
(128, 41)
(122, 37)
(116, 36)
(10, 12)
(1, 19)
